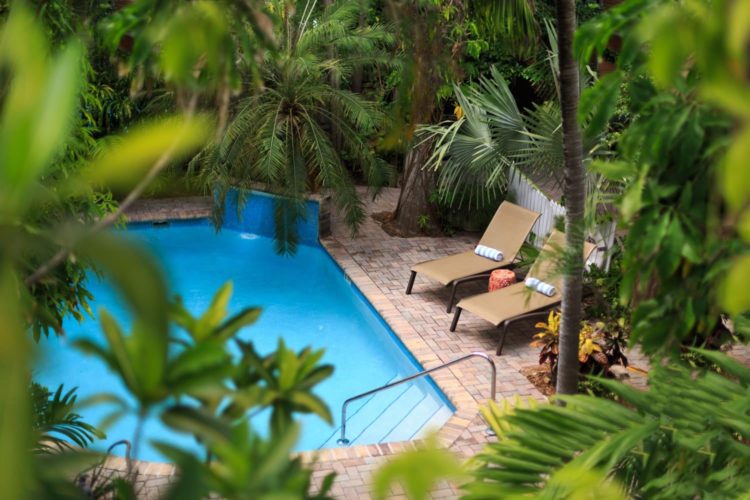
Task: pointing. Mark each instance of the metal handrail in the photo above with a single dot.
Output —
(343, 441)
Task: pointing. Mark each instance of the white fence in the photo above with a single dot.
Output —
(527, 195)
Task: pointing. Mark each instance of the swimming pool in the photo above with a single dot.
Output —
(306, 300)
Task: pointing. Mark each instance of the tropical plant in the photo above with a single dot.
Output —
(682, 138)
(598, 350)
(39, 108)
(196, 385)
(436, 36)
(197, 48)
(477, 154)
(683, 437)
(300, 130)
(55, 424)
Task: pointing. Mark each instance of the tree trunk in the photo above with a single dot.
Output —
(575, 198)
(357, 76)
(414, 209)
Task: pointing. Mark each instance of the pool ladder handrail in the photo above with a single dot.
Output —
(343, 441)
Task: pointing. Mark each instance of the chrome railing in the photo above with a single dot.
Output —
(343, 441)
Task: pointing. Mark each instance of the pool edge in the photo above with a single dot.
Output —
(466, 406)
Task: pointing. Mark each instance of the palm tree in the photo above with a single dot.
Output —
(575, 201)
(476, 155)
(285, 135)
(433, 54)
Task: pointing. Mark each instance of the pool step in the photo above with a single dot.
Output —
(398, 414)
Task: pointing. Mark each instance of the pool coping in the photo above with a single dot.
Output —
(467, 407)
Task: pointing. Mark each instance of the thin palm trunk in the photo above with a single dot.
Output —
(575, 199)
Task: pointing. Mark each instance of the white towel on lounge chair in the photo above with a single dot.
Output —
(540, 286)
(489, 253)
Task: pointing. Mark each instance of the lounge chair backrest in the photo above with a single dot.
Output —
(509, 228)
(546, 265)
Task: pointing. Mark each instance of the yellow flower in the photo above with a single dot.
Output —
(458, 111)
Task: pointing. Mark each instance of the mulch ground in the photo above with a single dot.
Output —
(540, 377)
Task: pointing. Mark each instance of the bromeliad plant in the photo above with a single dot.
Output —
(597, 350)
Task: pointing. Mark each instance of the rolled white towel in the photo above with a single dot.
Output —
(532, 282)
(540, 286)
(489, 253)
(546, 289)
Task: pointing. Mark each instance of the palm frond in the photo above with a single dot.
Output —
(511, 20)
(683, 437)
(282, 135)
(55, 422)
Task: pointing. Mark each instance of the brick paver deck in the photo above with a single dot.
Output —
(379, 265)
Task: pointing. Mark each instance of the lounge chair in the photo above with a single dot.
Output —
(506, 232)
(508, 305)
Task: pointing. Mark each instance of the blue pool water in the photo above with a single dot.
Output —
(306, 300)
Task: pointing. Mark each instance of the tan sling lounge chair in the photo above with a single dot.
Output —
(516, 302)
(507, 231)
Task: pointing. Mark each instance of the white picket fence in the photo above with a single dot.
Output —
(527, 195)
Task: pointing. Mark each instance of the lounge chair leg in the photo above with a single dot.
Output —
(452, 299)
(457, 315)
(411, 282)
(502, 338)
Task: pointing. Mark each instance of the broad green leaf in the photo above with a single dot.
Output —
(277, 455)
(728, 364)
(738, 32)
(669, 46)
(232, 326)
(599, 103)
(118, 345)
(38, 108)
(130, 156)
(313, 403)
(417, 471)
(736, 176)
(743, 225)
(614, 170)
(136, 275)
(216, 312)
(734, 291)
(15, 432)
(574, 481)
(732, 96)
(202, 424)
(632, 199)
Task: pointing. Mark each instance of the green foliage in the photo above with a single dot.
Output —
(686, 436)
(668, 159)
(418, 472)
(492, 140)
(246, 467)
(599, 349)
(170, 41)
(187, 375)
(294, 134)
(55, 424)
(201, 388)
(604, 306)
(104, 106)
